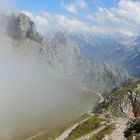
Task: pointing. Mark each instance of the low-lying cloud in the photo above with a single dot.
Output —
(31, 95)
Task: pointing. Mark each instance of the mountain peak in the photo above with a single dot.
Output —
(22, 26)
(60, 38)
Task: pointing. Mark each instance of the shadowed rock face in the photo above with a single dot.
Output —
(22, 26)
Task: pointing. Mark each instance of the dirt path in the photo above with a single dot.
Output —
(37, 135)
(92, 91)
(66, 133)
(118, 133)
(89, 90)
(92, 133)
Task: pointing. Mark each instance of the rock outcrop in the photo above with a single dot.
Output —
(22, 26)
(124, 102)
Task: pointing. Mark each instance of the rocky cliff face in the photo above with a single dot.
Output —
(22, 26)
(99, 75)
(125, 101)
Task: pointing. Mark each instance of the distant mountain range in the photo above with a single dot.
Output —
(125, 53)
(96, 47)
(128, 56)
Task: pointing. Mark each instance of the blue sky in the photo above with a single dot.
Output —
(39, 5)
(106, 17)
(62, 7)
(54, 6)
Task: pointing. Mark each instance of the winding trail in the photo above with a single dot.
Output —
(66, 133)
(37, 135)
(77, 83)
(118, 133)
(89, 135)
(92, 91)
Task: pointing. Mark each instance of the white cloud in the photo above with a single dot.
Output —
(124, 19)
(126, 32)
(70, 8)
(46, 22)
(75, 6)
(7, 5)
(82, 4)
(52, 23)
(126, 16)
(72, 25)
(29, 14)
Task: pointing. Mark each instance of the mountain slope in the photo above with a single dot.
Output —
(122, 108)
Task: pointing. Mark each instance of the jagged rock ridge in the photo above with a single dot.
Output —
(90, 73)
(124, 101)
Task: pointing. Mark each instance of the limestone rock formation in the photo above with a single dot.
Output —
(22, 26)
(125, 101)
